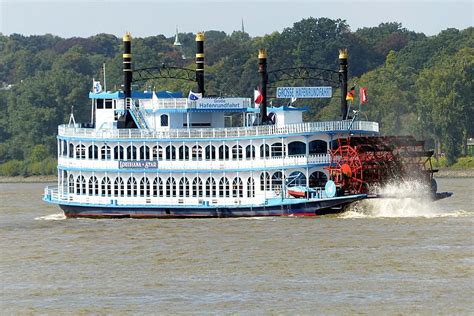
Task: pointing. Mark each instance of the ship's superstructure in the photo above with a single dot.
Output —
(159, 154)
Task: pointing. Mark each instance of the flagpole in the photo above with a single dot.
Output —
(105, 85)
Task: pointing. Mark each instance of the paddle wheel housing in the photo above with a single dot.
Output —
(359, 164)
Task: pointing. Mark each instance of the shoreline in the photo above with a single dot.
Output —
(442, 173)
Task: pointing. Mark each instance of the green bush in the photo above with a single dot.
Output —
(464, 163)
(12, 168)
(441, 162)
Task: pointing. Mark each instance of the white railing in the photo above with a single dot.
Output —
(300, 160)
(298, 128)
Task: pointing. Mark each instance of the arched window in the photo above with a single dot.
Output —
(119, 187)
(131, 153)
(170, 153)
(184, 187)
(296, 178)
(237, 152)
(170, 187)
(296, 148)
(210, 152)
(71, 150)
(250, 152)
(132, 187)
(144, 187)
(157, 187)
(250, 187)
(93, 152)
(106, 187)
(118, 152)
(164, 120)
(265, 181)
(81, 151)
(196, 152)
(144, 152)
(317, 179)
(157, 153)
(183, 152)
(80, 185)
(317, 147)
(105, 152)
(224, 188)
(223, 152)
(237, 188)
(93, 186)
(71, 184)
(264, 151)
(277, 180)
(197, 187)
(278, 150)
(210, 187)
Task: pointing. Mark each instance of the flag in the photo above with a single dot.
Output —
(194, 96)
(350, 94)
(293, 100)
(363, 95)
(96, 86)
(257, 96)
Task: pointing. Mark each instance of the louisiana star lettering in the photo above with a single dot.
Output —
(141, 164)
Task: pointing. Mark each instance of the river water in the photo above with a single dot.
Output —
(389, 257)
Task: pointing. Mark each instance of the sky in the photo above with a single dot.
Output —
(71, 18)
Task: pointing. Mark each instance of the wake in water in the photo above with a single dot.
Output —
(51, 217)
(403, 199)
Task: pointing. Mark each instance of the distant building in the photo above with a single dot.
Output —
(178, 45)
(470, 147)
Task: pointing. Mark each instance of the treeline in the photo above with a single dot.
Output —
(416, 84)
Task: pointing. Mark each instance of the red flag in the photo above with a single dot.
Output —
(363, 95)
(257, 96)
(350, 94)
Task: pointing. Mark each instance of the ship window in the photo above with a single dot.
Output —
(318, 147)
(224, 189)
(210, 152)
(197, 187)
(144, 152)
(250, 152)
(119, 187)
(93, 152)
(157, 187)
(71, 150)
(250, 187)
(197, 152)
(81, 151)
(264, 151)
(296, 148)
(164, 120)
(118, 152)
(223, 152)
(131, 153)
(80, 185)
(184, 187)
(237, 188)
(93, 186)
(317, 179)
(106, 187)
(237, 152)
(108, 103)
(183, 153)
(210, 187)
(144, 187)
(100, 103)
(170, 187)
(105, 152)
(170, 153)
(71, 184)
(64, 148)
(276, 180)
(296, 178)
(157, 153)
(265, 181)
(132, 187)
(278, 150)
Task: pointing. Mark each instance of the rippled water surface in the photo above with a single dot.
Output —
(392, 257)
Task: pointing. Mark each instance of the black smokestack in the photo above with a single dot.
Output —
(262, 70)
(200, 62)
(127, 65)
(343, 79)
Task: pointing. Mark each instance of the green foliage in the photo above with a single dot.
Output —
(12, 168)
(464, 163)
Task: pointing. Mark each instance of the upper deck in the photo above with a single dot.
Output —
(330, 127)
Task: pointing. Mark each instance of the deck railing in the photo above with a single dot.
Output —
(232, 132)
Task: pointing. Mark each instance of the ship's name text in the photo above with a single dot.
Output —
(140, 164)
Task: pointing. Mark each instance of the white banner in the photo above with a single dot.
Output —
(303, 92)
(222, 103)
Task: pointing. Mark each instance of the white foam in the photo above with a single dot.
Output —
(51, 217)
